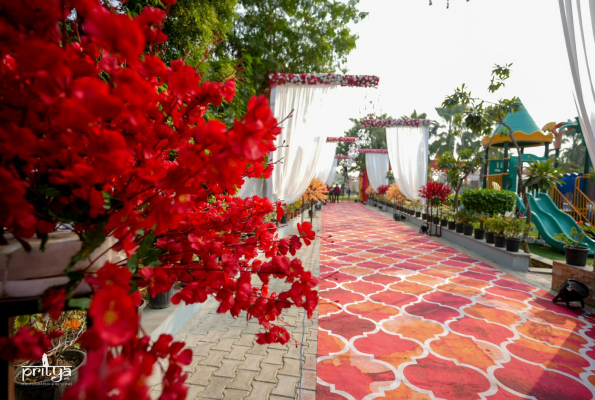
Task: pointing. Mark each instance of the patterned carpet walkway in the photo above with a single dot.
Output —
(403, 316)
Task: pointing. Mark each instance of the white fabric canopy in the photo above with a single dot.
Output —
(331, 176)
(327, 161)
(578, 23)
(408, 153)
(317, 109)
(377, 167)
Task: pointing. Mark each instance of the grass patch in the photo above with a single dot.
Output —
(547, 252)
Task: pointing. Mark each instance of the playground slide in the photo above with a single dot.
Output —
(550, 220)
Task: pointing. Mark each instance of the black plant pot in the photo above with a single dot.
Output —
(418, 214)
(162, 300)
(499, 241)
(443, 222)
(284, 219)
(479, 233)
(451, 225)
(424, 216)
(513, 244)
(436, 220)
(468, 230)
(576, 256)
(411, 212)
(48, 389)
(459, 228)
(490, 237)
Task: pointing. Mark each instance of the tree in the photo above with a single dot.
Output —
(447, 139)
(306, 36)
(480, 115)
(259, 37)
(458, 169)
(192, 26)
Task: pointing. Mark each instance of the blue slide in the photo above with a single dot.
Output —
(550, 220)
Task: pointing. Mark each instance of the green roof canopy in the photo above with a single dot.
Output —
(519, 121)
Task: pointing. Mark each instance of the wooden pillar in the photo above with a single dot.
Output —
(505, 166)
(486, 167)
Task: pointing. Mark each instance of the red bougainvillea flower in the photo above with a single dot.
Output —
(114, 316)
(157, 279)
(53, 302)
(382, 189)
(435, 191)
(306, 232)
(27, 343)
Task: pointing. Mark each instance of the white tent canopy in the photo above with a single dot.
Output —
(331, 176)
(377, 165)
(408, 153)
(327, 163)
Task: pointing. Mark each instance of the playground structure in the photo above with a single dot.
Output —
(557, 211)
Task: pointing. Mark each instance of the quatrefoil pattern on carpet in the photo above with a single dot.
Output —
(403, 316)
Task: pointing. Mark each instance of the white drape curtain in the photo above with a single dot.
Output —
(327, 161)
(317, 110)
(578, 23)
(408, 153)
(252, 187)
(377, 167)
(331, 176)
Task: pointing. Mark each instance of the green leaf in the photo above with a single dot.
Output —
(92, 239)
(21, 321)
(79, 302)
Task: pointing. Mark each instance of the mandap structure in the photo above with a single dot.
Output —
(408, 147)
(309, 106)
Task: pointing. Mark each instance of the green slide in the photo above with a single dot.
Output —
(550, 220)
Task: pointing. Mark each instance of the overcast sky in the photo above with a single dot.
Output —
(421, 53)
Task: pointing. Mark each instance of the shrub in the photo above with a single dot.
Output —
(488, 201)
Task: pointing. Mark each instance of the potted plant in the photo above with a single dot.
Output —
(462, 218)
(478, 222)
(576, 253)
(514, 228)
(490, 229)
(444, 210)
(48, 376)
(499, 225)
(451, 220)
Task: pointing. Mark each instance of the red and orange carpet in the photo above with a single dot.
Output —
(403, 316)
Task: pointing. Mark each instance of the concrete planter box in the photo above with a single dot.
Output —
(518, 261)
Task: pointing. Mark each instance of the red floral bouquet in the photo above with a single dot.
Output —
(100, 138)
(382, 189)
(435, 192)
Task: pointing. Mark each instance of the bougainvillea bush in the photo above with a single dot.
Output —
(435, 192)
(100, 137)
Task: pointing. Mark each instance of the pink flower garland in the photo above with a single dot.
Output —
(378, 151)
(324, 79)
(385, 123)
(341, 157)
(331, 139)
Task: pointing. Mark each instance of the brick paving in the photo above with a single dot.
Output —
(229, 364)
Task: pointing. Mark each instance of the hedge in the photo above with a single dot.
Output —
(489, 201)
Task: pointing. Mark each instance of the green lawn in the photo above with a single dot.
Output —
(547, 252)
